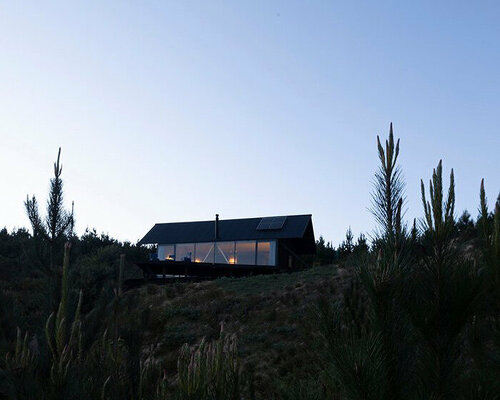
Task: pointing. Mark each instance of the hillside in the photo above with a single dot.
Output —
(270, 315)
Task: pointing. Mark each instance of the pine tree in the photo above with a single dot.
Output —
(388, 194)
(347, 246)
(59, 222)
(366, 348)
(448, 289)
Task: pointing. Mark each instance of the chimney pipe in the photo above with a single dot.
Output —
(216, 226)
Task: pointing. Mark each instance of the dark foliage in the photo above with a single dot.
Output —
(325, 253)
(428, 323)
(58, 224)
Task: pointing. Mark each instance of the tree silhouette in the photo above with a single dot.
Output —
(59, 222)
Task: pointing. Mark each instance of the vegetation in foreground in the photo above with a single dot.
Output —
(414, 316)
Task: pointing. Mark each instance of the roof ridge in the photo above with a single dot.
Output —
(233, 219)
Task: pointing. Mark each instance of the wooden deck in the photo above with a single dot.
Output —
(157, 269)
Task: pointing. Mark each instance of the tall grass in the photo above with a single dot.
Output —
(211, 372)
(109, 367)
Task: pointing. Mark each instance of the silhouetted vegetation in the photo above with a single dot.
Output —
(415, 313)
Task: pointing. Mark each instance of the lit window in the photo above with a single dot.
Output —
(266, 253)
(166, 252)
(224, 253)
(204, 253)
(245, 253)
(184, 252)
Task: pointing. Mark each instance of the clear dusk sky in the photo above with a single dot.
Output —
(175, 110)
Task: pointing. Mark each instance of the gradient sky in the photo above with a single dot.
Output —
(172, 111)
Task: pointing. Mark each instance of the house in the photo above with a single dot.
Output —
(229, 247)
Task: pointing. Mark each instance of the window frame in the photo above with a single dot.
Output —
(254, 251)
(273, 258)
(193, 253)
(213, 257)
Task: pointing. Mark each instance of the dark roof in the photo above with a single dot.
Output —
(294, 227)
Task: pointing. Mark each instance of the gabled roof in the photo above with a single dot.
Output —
(294, 227)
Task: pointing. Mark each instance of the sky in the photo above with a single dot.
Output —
(176, 110)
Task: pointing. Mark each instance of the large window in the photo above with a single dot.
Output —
(184, 252)
(224, 253)
(245, 253)
(204, 253)
(266, 253)
(166, 252)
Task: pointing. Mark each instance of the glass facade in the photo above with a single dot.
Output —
(249, 252)
(184, 252)
(204, 252)
(245, 252)
(266, 253)
(224, 253)
(166, 252)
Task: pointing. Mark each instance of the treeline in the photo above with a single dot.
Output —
(326, 253)
(466, 231)
(418, 319)
(32, 289)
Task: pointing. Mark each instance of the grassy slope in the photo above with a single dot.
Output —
(270, 315)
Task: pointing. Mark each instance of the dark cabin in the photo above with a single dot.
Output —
(229, 247)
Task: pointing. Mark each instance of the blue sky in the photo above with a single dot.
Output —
(171, 111)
